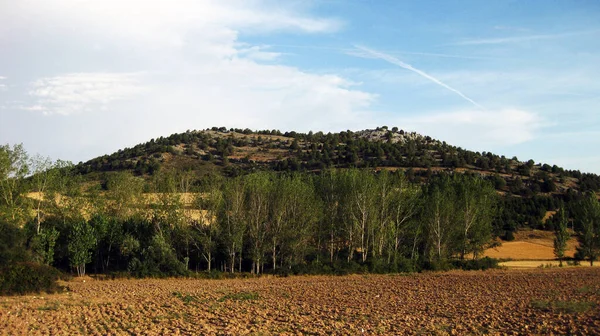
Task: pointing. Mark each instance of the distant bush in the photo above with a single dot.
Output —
(159, 261)
(509, 236)
(438, 265)
(401, 265)
(12, 247)
(24, 277)
(477, 264)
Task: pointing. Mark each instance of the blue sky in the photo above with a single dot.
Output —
(80, 79)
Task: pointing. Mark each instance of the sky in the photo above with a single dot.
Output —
(79, 79)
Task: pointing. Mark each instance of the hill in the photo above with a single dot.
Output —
(235, 151)
(532, 189)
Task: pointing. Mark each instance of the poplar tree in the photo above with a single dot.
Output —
(589, 228)
(561, 236)
(81, 242)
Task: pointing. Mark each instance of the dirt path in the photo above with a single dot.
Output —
(458, 303)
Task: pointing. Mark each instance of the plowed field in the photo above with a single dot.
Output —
(540, 301)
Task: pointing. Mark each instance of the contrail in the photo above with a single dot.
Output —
(395, 61)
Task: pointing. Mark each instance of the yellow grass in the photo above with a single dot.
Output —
(530, 245)
(523, 264)
(524, 250)
(548, 215)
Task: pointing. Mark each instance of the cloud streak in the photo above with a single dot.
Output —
(395, 61)
(352, 52)
(516, 39)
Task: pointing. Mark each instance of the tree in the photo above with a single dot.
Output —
(160, 258)
(109, 234)
(81, 241)
(404, 207)
(43, 244)
(257, 215)
(561, 235)
(42, 178)
(588, 218)
(363, 215)
(207, 227)
(233, 221)
(440, 217)
(124, 191)
(14, 167)
(332, 187)
(476, 202)
(294, 213)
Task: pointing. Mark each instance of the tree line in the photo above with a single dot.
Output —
(339, 220)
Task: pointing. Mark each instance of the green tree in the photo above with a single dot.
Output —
(476, 204)
(561, 235)
(362, 200)
(124, 192)
(440, 218)
(294, 213)
(14, 167)
(43, 245)
(233, 220)
(588, 217)
(258, 188)
(109, 234)
(42, 177)
(160, 259)
(207, 228)
(404, 208)
(81, 242)
(333, 189)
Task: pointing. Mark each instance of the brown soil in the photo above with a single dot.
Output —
(454, 303)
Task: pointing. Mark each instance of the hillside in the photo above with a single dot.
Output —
(235, 151)
(532, 189)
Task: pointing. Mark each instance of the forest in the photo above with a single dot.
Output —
(348, 219)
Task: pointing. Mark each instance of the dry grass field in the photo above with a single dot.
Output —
(530, 245)
(522, 264)
(538, 302)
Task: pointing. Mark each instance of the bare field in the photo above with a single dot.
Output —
(558, 301)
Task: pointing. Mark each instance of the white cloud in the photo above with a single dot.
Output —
(80, 92)
(197, 72)
(475, 128)
(164, 21)
(259, 53)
